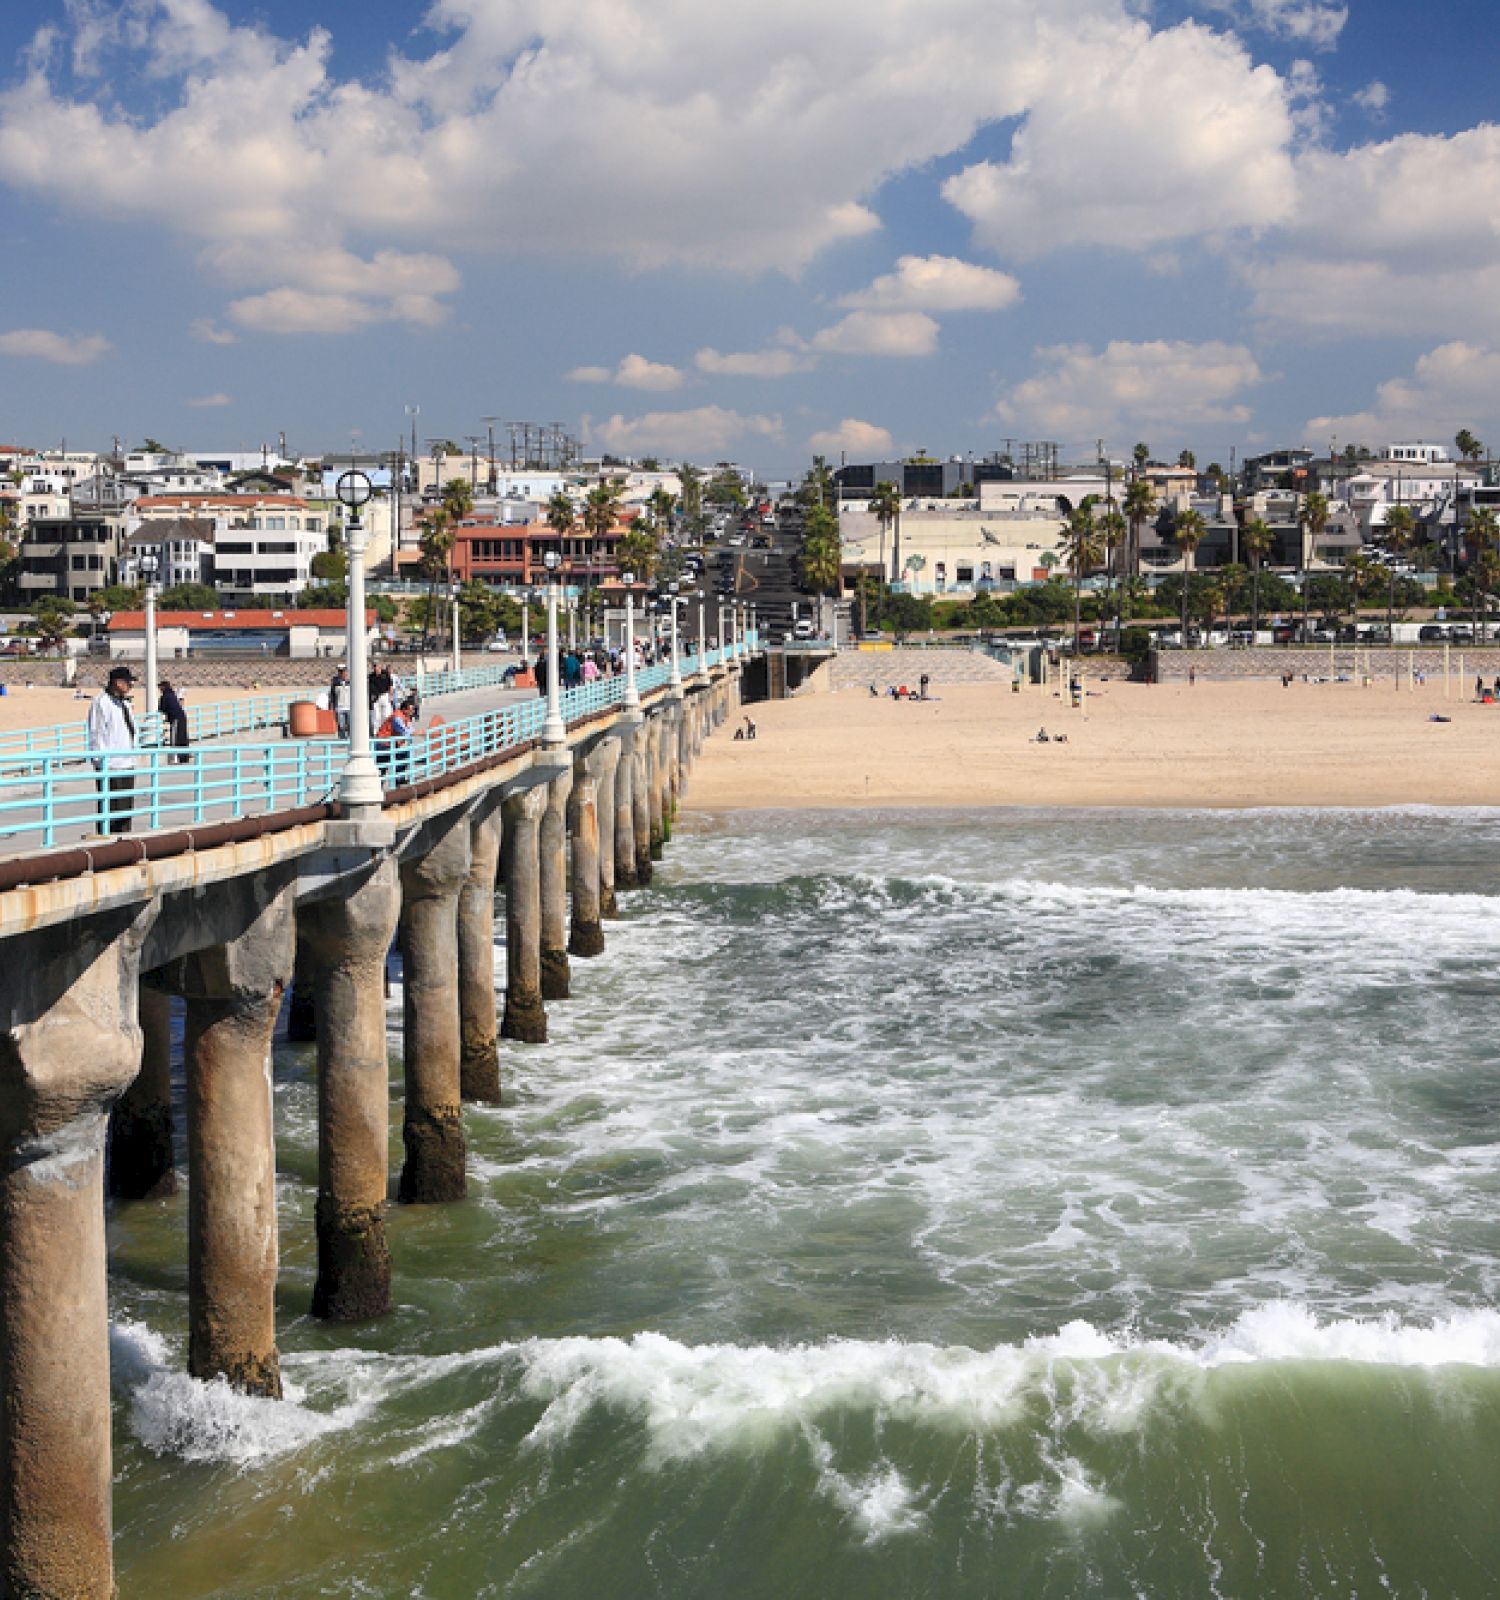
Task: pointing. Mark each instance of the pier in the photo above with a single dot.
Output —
(251, 884)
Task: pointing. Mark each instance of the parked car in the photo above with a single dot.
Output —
(1376, 633)
(1432, 633)
(498, 645)
(1461, 635)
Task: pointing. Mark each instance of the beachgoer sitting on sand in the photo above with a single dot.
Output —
(1042, 737)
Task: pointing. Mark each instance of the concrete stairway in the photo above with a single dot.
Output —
(857, 669)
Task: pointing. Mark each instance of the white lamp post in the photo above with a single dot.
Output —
(553, 731)
(149, 565)
(458, 662)
(360, 784)
(673, 600)
(703, 635)
(632, 697)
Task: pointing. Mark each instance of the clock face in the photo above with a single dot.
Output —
(354, 489)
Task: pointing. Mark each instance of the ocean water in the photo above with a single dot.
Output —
(912, 1205)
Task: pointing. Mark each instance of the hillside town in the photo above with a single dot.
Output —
(1017, 537)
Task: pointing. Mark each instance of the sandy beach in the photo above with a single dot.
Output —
(1210, 744)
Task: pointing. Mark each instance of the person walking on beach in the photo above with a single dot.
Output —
(175, 718)
(111, 742)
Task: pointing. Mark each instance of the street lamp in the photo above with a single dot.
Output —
(673, 600)
(360, 784)
(553, 731)
(150, 562)
(702, 635)
(632, 697)
(458, 664)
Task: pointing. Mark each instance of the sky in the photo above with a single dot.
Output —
(755, 232)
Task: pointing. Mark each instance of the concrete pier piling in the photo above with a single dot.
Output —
(656, 772)
(229, 918)
(585, 936)
(70, 1045)
(640, 780)
(349, 936)
(625, 873)
(525, 1019)
(556, 977)
(233, 993)
(141, 1164)
(479, 1059)
(432, 1127)
(609, 759)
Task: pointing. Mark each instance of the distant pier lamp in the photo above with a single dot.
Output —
(150, 569)
(553, 731)
(703, 635)
(632, 696)
(458, 663)
(359, 786)
(674, 599)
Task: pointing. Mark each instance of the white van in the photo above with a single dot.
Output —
(802, 629)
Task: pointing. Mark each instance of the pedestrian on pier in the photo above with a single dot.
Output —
(111, 742)
(175, 720)
(338, 700)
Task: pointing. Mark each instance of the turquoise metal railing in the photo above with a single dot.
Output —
(48, 798)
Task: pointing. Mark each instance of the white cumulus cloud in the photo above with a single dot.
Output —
(777, 362)
(1395, 236)
(63, 349)
(853, 437)
(1166, 386)
(1145, 138)
(879, 333)
(636, 372)
(705, 431)
(633, 372)
(937, 283)
(1455, 386)
(209, 402)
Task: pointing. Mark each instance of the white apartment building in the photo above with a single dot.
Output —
(263, 545)
(946, 547)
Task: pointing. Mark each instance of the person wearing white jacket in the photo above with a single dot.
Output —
(111, 742)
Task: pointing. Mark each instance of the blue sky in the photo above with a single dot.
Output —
(753, 233)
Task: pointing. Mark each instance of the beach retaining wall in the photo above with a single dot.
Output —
(1379, 662)
(217, 672)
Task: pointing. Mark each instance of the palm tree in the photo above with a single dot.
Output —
(661, 505)
(640, 549)
(1467, 445)
(691, 480)
(1112, 534)
(437, 552)
(1083, 546)
(601, 510)
(1479, 534)
(1140, 503)
(885, 502)
(1399, 523)
(1257, 541)
(1312, 519)
(822, 551)
(1189, 533)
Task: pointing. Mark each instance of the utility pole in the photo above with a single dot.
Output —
(489, 423)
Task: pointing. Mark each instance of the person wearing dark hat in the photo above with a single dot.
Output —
(111, 743)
